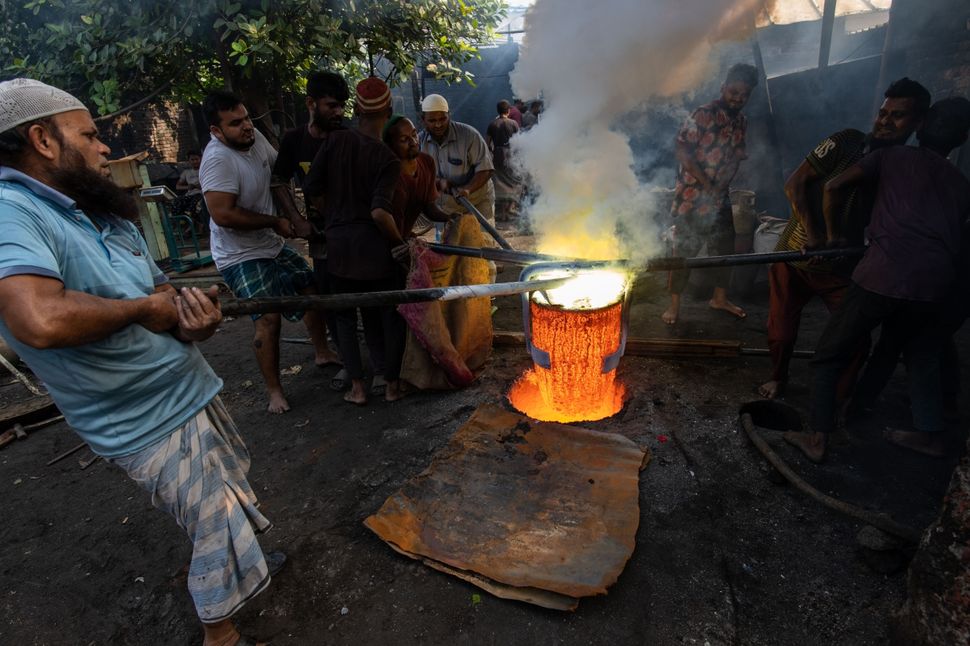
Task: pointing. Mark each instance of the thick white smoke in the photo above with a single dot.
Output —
(592, 62)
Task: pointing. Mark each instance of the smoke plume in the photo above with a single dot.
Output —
(593, 62)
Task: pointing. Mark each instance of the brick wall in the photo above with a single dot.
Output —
(165, 130)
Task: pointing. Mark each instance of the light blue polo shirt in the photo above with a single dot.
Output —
(133, 388)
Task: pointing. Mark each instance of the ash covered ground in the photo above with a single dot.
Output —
(723, 554)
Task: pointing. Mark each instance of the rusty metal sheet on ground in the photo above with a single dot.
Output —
(533, 507)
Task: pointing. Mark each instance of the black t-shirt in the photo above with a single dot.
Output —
(297, 150)
(830, 158)
(354, 174)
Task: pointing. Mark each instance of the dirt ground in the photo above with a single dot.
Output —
(723, 555)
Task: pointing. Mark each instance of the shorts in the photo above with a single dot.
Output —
(288, 274)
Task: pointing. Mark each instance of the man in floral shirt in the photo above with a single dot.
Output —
(709, 147)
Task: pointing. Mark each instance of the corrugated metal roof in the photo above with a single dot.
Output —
(784, 12)
(773, 12)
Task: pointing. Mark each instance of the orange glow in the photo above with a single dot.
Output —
(574, 387)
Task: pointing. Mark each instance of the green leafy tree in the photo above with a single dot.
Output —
(113, 53)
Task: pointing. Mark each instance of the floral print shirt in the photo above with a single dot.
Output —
(715, 139)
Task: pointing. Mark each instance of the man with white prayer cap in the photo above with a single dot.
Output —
(462, 158)
(84, 305)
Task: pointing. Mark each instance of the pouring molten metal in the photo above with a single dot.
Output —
(576, 333)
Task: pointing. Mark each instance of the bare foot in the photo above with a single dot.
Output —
(224, 633)
(357, 393)
(771, 389)
(394, 391)
(239, 640)
(670, 316)
(811, 444)
(277, 402)
(327, 358)
(930, 444)
(729, 307)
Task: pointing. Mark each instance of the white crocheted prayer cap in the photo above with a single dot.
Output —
(23, 100)
(434, 103)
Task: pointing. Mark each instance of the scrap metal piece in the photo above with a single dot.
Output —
(67, 453)
(21, 377)
(530, 506)
(84, 463)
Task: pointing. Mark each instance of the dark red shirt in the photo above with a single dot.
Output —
(414, 193)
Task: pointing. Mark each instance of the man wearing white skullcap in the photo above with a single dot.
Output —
(85, 306)
(462, 158)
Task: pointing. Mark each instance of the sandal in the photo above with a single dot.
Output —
(340, 380)
(274, 562)
(378, 386)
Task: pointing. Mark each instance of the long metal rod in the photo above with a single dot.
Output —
(734, 260)
(512, 257)
(236, 307)
(492, 231)
(654, 264)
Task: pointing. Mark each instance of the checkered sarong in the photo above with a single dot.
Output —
(288, 274)
(198, 475)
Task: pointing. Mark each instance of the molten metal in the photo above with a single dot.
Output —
(574, 387)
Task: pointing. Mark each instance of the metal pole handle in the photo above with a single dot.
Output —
(502, 242)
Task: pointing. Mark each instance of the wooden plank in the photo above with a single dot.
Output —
(34, 409)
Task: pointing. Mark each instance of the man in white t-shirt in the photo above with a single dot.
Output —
(247, 238)
(188, 182)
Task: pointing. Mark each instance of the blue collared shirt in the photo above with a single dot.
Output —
(132, 388)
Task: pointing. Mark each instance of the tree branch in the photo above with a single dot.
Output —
(139, 102)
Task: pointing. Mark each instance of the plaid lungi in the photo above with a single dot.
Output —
(288, 274)
(198, 475)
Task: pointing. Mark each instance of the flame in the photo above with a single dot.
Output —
(574, 387)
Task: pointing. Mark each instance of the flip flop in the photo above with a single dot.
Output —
(274, 561)
(378, 386)
(340, 380)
